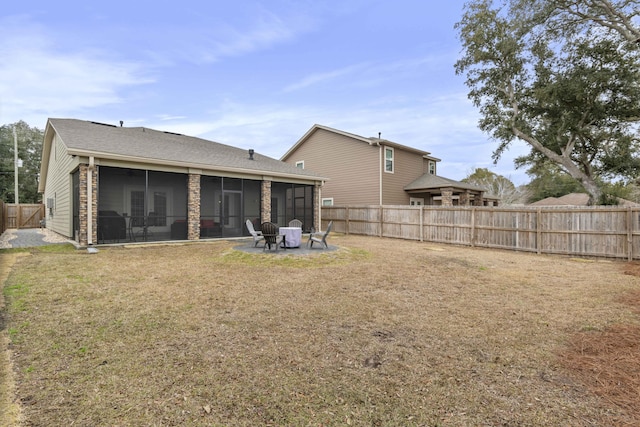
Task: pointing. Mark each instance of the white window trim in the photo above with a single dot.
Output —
(300, 164)
(416, 201)
(432, 164)
(326, 199)
(393, 160)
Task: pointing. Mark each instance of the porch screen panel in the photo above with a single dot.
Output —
(210, 206)
(251, 193)
(307, 219)
(279, 193)
(166, 198)
(293, 201)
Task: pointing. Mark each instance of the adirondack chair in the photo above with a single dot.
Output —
(320, 237)
(271, 236)
(295, 223)
(257, 235)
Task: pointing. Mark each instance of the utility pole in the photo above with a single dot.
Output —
(15, 162)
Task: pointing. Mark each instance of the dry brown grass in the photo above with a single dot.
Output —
(382, 332)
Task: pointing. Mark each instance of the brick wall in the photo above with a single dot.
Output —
(266, 202)
(447, 196)
(193, 207)
(84, 220)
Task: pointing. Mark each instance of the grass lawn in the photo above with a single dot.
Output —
(381, 332)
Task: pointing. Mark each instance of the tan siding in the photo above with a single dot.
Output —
(350, 165)
(408, 166)
(59, 188)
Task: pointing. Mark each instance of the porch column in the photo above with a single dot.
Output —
(447, 196)
(193, 207)
(83, 237)
(479, 200)
(265, 204)
(464, 198)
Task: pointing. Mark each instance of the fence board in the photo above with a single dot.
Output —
(579, 231)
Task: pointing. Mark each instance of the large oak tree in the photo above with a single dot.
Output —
(562, 76)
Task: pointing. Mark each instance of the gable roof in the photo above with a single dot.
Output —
(575, 199)
(369, 140)
(140, 144)
(571, 199)
(429, 181)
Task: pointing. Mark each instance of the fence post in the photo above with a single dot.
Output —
(421, 223)
(629, 234)
(473, 227)
(381, 220)
(346, 220)
(3, 217)
(539, 231)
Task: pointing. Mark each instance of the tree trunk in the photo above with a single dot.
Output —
(571, 168)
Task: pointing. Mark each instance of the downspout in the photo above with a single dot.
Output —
(380, 168)
(90, 200)
(320, 205)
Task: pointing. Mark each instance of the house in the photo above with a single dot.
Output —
(103, 183)
(572, 199)
(375, 171)
(576, 199)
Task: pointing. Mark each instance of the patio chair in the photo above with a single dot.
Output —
(138, 227)
(271, 236)
(295, 223)
(320, 237)
(257, 235)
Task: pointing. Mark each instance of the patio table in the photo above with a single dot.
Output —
(292, 236)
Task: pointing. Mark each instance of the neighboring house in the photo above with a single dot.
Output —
(375, 171)
(576, 199)
(104, 183)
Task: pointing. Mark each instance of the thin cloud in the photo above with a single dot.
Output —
(38, 80)
(257, 33)
(318, 78)
(369, 74)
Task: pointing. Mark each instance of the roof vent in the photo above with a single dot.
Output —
(251, 153)
(121, 123)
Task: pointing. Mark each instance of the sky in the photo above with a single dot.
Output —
(251, 74)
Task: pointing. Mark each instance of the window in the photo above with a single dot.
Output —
(300, 164)
(137, 203)
(327, 202)
(388, 159)
(432, 167)
(416, 201)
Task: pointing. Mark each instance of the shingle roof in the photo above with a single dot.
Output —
(576, 199)
(153, 146)
(430, 181)
(571, 199)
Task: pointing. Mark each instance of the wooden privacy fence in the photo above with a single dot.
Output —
(600, 231)
(22, 215)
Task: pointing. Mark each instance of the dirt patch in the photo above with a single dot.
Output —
(607, 362)
(380, 332)
(632, 268)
